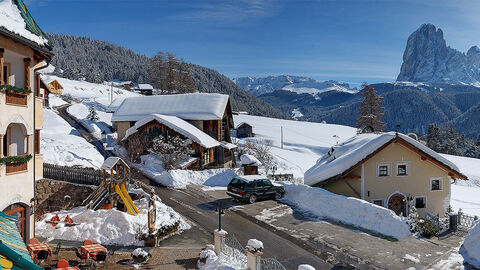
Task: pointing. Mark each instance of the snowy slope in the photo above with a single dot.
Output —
(62, 145)
(297, 84)
(304, 142)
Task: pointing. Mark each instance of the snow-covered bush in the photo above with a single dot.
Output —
(426, 228)
(140, 256)
(205, 254)
(254, 246)
(173, 150)
(92, 114)
(413, 218)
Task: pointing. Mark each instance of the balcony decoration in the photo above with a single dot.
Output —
(16, 159)
(13, 89)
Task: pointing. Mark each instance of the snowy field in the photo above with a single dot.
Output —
(304, 142)
(108, 226)
(63, 145)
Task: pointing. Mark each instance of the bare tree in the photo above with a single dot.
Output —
(172, 150)
(135, 146)
(262, 150)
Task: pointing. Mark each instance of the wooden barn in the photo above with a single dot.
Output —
(244, 130)
(49, 86)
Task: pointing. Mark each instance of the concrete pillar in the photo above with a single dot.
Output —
(254, 260)
(219, 240)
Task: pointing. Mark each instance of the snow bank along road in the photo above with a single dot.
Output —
(202, 211)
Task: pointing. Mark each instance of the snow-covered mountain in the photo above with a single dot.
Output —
(427, 58)
(298, 84)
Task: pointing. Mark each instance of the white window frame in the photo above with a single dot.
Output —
(389, 169)
(441, 184)
(383, 202)
(407, 169)
(426, 201)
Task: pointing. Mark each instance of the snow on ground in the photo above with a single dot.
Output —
(151, 166)
(465, 194)
(223, 261)
(63, 145)
(304, 142)
(80, 112)
(353, 211)
(470, 249)
(108, 226)
(54, 101)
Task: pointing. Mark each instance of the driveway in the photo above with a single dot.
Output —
(340, 242)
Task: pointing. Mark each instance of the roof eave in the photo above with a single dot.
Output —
(45, 50)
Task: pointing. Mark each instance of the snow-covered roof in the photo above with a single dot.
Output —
(115, 104)
(195, 106)
(249, 178)
(351, 152)
(181, 126)
(242, 123)
(247, 159)
(110, 162)
(228, 146)
(145, 86)
(11, 19)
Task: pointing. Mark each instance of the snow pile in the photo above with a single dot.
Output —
(196, 106)
(54, 101)
(342, 157)
(305, 267)
(222, 261)
(152, 167)
(63, 145)
(349, 210)
(181, 126)
(139, 252)
(247, 159)
(470, 249)
(254, 245)
(108, 226)
(11, 19)
(303, 142)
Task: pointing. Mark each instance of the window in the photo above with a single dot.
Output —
(6, 73)
(436, 184)
(378, 202)
(383, 170)
(267, 183)
(420, 202)
(402, 169)
(259, 183)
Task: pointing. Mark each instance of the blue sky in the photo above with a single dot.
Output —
(347, 40)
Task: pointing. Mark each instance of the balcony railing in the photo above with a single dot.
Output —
(16, 99)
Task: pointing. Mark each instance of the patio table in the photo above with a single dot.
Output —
(95, 248)
(33, 249)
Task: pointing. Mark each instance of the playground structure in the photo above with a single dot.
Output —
(112, 187)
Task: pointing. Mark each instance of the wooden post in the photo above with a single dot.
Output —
(1, 145)
(2, 61)
(27, 73)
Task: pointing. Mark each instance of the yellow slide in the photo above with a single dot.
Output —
(125, 201)
(125, 193)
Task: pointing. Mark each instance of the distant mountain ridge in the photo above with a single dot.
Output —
(427, 58)
(297, 84)
(99, 61)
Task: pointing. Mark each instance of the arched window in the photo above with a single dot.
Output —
(15, 140)
(19, 211)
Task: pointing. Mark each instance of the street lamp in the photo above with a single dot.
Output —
(105, 143)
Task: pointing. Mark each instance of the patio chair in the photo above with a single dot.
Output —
(33, 241)
(82, 257)
(100, 258)
(112, 250)
(87, 242)
(62, 263)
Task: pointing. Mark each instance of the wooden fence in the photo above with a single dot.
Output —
(72, 175)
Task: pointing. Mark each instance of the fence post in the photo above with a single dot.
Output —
(254, 254)
(219, 240)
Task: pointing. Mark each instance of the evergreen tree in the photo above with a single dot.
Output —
(170, 75)
(434, 137)
(92, 114)
(371, 110)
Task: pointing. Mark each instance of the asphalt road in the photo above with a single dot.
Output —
(202, 212)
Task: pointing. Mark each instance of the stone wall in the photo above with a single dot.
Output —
(51, 195)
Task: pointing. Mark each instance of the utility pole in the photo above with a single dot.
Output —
(281, 137)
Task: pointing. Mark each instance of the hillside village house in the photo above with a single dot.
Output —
(24, 50)
(387, 169)
(193, 116)
(48, 86)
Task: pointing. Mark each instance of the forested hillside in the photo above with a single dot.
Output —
(99, 61)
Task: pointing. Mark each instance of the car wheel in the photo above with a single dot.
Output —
(252, 198)
(278, 195)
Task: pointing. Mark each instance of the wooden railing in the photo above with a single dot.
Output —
(17, 99)
(16, 167)
(72, 175)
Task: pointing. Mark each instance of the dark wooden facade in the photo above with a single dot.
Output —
(244, 130)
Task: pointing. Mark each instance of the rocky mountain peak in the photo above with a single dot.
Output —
(427, 58)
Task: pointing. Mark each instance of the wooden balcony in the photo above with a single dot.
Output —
(16, 99)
